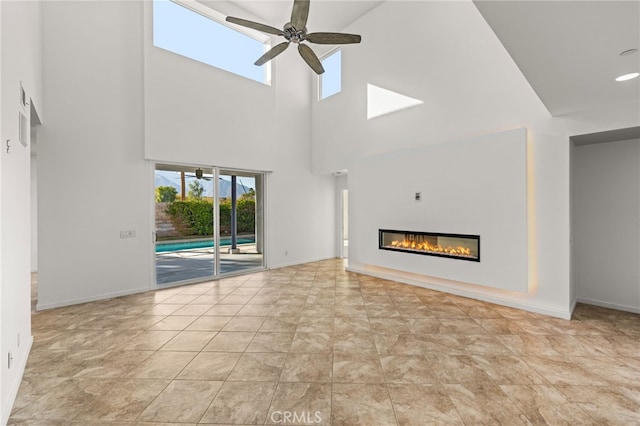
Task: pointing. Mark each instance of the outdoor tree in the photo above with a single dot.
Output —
(250, 193)
(166, 194)
(196, 190)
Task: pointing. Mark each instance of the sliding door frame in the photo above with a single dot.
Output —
(261, 202)
(216, 222)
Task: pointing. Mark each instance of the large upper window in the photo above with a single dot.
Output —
(331, 79)
(187, 31)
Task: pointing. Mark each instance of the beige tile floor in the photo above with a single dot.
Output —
(313, 344)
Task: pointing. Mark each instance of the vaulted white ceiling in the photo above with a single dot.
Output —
(567, 50)
(324, 15)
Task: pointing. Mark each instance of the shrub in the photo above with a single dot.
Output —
(166, 194)
(197, 215)
(246, 214)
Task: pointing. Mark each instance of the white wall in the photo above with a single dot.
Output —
(572, 226)
(607, 224)
(342, 184)
(475, 186)
(197, 114)
(5, 402)
(446, 56)
(470, 87)
(20, 62)
(34, 206)
(607, 118)
(116, 102)
(93, 181)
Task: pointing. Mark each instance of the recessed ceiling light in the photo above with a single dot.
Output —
(626, 77)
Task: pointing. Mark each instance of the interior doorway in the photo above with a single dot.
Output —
(345, 224)
(208, 223)
(605, 219)
(34, 124)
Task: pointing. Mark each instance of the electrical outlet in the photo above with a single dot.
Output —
(418, 196)
(127, 234)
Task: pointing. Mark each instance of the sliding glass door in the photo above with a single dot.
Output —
(208, 223)
(241, 200)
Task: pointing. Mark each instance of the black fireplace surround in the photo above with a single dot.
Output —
(453, 246)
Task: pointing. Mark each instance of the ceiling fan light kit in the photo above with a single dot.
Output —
(295, 31)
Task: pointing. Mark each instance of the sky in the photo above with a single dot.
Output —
(187, 33)
(190, 34)
(169, 178)
(331, 81)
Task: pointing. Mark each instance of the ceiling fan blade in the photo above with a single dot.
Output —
(272, 53)
(254, 25)
(310, 58)
(333, 38)
(299, 14)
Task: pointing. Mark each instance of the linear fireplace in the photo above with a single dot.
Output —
(455, 246)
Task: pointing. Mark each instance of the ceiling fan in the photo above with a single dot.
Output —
(295, 31)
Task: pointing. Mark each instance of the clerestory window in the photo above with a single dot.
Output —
(331, 79)
(195, 31)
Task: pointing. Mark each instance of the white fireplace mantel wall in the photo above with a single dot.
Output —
(470, 87)
(472, 186)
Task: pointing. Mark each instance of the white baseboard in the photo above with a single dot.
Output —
(603, 304)
(69, 302)
(433, 283)
(298, 262)
(15, 386)
(573, 306)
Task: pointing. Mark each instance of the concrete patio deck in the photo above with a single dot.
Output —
(184, 265)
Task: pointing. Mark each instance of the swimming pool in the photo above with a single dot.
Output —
(190, 245)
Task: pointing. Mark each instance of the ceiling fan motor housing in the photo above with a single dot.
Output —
(293, 35)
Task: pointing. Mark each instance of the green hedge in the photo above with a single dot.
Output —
(197, 215)
(166, 194)
(246, 213)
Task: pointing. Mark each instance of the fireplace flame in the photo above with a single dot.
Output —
(426, 246)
